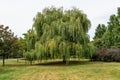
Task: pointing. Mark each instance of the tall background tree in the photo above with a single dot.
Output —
(109, 37)
(100, 30)
(6, 41)
(9, 44)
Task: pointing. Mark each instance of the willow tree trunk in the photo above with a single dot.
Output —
(3, 59)
(64, 59)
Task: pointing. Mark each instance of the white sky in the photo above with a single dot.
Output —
(19, 14)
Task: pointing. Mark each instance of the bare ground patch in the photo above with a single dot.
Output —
(41, 76)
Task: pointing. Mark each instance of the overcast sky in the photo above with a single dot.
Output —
(19, 14)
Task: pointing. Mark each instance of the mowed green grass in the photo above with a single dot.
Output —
(76, 70)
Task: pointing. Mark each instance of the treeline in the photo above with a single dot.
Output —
(62, 34)
(107, 37)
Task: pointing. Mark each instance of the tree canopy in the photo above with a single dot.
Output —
(109, 37)
(100, 30)
(59, 34)
(10, 46)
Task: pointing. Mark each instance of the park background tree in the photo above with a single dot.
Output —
(5, 40)
(99, 32)
(10, 46)
(109, 36)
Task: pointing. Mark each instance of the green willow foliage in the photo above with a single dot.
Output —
(60, 34)
(30, 56)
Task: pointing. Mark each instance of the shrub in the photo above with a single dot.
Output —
(107, 55)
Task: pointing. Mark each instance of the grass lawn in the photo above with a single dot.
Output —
(76, 70)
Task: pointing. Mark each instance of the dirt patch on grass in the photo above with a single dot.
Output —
(73, 77)
(40, 76)
(49, 76)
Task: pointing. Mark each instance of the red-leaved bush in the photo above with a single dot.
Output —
(108, 55)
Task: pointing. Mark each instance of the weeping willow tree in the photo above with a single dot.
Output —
(60, 34)
(30, 40)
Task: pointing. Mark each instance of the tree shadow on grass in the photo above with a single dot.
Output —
(51, 63)
(15, 65)
(60, 63)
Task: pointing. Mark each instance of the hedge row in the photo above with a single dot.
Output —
(108, 55)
